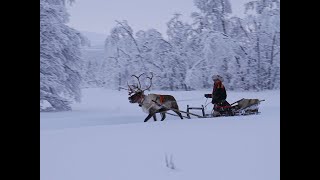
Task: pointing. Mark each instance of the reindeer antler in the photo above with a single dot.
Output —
(138, 79)
(130, 90)
(138, 86)
(126, 88)
(150, 81)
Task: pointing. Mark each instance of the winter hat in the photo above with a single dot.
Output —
(217, 77)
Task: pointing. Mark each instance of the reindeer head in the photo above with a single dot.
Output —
(137, 91)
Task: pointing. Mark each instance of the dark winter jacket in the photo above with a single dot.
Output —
(219, 93)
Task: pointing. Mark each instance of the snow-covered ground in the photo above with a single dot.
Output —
(105, 138)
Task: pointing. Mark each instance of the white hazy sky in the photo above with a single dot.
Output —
(99, 15)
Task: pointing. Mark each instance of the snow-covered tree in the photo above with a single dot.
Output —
(60, 57)
(221, 55)
(93, 69)
(153, 51)
(244, 51)
(219, 42)
(123, 54)
(145, 51)
(264, 28)
(214, 14)
(179, 36)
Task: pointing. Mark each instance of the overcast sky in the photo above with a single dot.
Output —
(99, 15)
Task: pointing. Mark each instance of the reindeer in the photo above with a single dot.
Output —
(152, 103)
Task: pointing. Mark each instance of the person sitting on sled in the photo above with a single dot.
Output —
(218, 94)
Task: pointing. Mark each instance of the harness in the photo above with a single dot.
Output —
(141, 100)
(161, 99)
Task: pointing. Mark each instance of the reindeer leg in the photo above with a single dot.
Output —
(154, 117)
(162, 109)
(163, 116)
(175, 106)
(148, 117)
(179, 114)
(163, 113)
